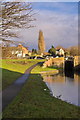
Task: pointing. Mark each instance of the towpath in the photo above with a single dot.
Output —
(12, 91)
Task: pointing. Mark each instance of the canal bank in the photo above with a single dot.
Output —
(63, 84)
(12, 90)
(35, 101)
(64, 87)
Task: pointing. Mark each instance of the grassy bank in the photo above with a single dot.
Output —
(38, 69)
(13, 69)
(34, 102)
(18, 65)
(8, 77)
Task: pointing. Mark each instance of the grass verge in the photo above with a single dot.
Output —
(38, 69)
(34, 102)
(13, 69)
(18, 65)
(8, 77)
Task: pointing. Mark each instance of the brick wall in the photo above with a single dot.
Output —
(76, 60)
(59, 62)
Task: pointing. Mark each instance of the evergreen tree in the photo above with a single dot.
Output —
(52, 50)
(41, 42)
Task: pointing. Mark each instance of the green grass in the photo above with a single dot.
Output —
(13, 69)
(19, 65)
(8, 77)
(39, 69)
(34, 102)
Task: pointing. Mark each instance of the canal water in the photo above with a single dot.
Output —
(64, 87)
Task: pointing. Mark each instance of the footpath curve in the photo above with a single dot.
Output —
(12, 91)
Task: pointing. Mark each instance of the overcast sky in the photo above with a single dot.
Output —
(57, 20)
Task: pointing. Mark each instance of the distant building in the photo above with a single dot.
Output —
(29, 53)
(60, 52)
(20, 51)
(24, 50)
(41, 43)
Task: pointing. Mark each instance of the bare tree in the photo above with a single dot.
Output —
(15, 15)
(74, 50)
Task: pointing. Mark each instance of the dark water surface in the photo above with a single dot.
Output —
(64, 87)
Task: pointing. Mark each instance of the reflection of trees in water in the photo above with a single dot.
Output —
(76, 78)
(56, 78)
(60, 78)
(69, 74)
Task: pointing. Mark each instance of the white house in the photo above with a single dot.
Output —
(60, 52)
(20, 51)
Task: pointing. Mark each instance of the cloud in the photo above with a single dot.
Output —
(58, 29)
(59, 23)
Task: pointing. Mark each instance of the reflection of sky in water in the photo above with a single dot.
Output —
(65, 88)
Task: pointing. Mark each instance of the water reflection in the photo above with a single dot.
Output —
(69, 74)
(63, 87)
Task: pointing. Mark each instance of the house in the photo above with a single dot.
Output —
(29, 53)
(60, 52)
(20, 51)
(24, 50)
(17, 52)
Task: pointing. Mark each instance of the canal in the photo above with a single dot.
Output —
(64, 86)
